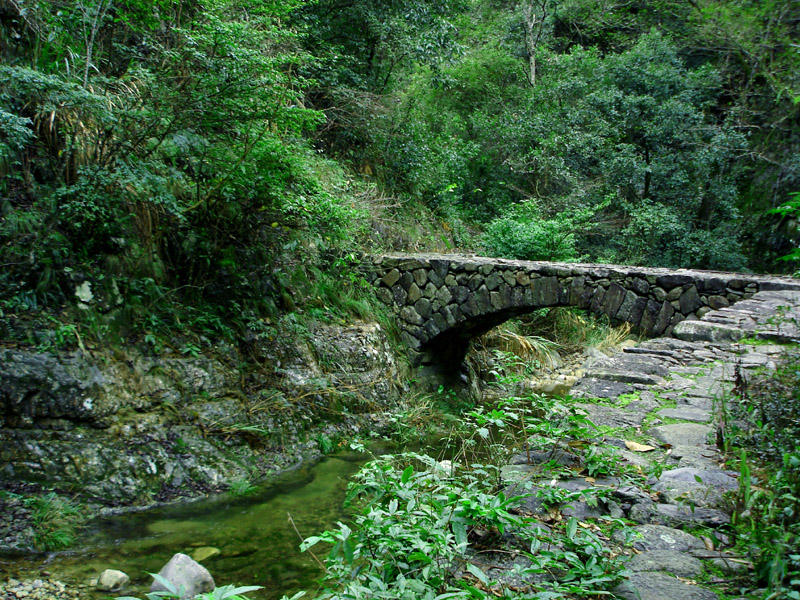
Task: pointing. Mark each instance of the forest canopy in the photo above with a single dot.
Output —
(190, 152)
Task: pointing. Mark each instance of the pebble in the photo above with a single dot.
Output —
(37, 589)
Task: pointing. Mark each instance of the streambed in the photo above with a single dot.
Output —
(257, 543)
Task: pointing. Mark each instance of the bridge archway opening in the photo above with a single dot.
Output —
(446, 353)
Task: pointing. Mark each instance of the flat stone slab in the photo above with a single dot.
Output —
(609, 416)
(659, 537)
(727, 480)
(657, 586)
(624, 376)
(682, 434)
(699, 402)
(689, 413)
(703, 331)
(696, 457)
(641, 364)
(679, 383)
(678, 515)
(703, 487)
(684, 492)
(668, 561)
(590, 387)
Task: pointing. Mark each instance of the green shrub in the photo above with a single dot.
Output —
(765, 430)
(419, 523)
(56, 521)
(531, 238)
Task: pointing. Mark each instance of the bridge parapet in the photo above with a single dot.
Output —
(444, 300)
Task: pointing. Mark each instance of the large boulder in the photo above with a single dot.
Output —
(183, 572)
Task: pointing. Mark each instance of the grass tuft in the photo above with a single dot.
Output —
(56, 521)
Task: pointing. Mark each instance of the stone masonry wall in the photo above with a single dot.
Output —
(447, 297)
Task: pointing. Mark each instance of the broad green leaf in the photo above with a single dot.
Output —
(166, 583)
(480, 575)
(308, 542)
(348, 549)
(240, 590)
(572, 527)
(420, 556)
(460, 533)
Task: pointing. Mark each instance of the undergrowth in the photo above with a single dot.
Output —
(429, 527)
(422, 524)
(763, 434)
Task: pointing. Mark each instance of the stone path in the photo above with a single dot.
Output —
(669, 393)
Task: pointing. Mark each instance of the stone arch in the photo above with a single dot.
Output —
(442, 301)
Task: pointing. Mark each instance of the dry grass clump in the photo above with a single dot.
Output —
(574, 331)
(531, 350)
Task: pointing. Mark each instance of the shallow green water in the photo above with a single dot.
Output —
(258, 544)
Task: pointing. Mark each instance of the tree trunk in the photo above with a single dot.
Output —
(533, 16)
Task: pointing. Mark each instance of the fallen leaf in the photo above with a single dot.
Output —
(589, 479)
(637, 447)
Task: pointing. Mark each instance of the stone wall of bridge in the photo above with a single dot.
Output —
(444, 300)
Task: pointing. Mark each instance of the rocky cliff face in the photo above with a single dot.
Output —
(125, 428)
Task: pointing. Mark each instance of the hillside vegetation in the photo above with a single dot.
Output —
(211, 166)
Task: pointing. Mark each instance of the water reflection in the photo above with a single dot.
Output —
(258, 545)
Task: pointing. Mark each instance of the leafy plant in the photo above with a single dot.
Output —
(580, 566)
(419, 522)
(761, 430)
(415, 524)
(226, 592)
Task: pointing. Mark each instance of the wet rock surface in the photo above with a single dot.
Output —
(16, 530)
(121, 429)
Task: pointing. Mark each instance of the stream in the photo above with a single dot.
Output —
(257, 543)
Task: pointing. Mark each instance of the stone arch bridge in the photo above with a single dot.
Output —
(442, 301)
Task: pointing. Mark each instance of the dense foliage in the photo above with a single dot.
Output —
(766, 429)
(630, 117)
(166, 161)
(153, 159)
